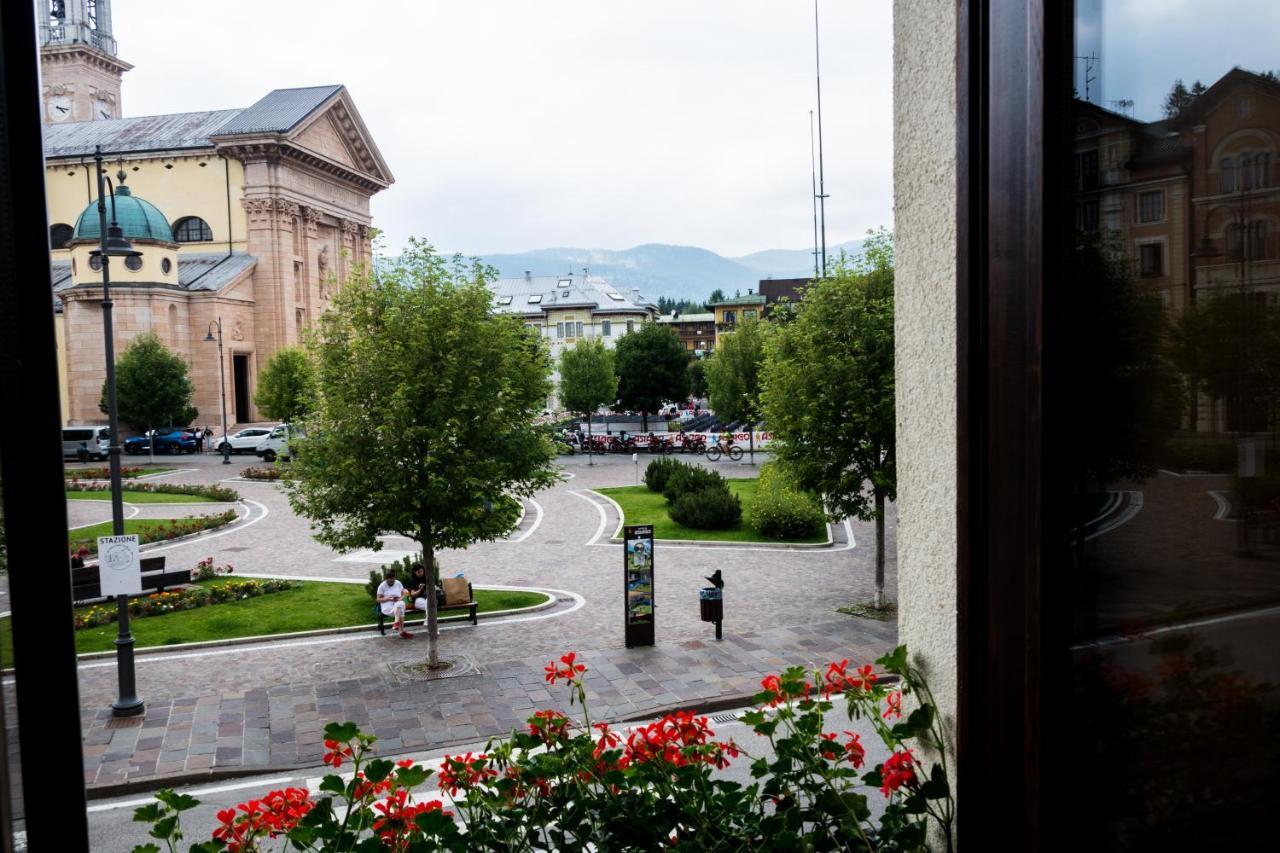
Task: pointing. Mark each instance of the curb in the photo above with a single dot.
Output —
(299, 635)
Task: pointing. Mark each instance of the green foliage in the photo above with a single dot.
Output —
(152, 386)
(587, 378)
(697, 371)
(1180, 97)
(651, 367)
(424, 417)
(667, 305)
(828, 388)
(733, 372)
(286, 385)
(686, 478)
(717, 295)
(657, 472)
(710, 508)
(780, 510)
(211, 491)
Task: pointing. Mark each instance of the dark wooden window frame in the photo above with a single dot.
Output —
(1013, 89)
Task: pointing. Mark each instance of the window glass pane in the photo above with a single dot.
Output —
(1163, 444)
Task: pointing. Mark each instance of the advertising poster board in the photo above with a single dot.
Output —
(119, 565)
(637, 572)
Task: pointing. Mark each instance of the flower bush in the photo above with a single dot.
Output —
(561, 784)
(102, 473)
(217, 493)
(171, 528)
(254, 473)
(158, 603)
(206, 570)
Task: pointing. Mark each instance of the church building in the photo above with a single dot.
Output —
(245, 217)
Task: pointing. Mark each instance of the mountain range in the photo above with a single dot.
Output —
(660, 269)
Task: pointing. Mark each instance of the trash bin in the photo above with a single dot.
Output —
(711, 604)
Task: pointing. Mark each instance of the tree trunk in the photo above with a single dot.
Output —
(879, 550)
(644, 419)
(751, 441)
(590, 461)
(433, 578)
(151, 444)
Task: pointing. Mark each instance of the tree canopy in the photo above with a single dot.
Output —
(286, 385)
(733, 374)
(424, 417)
(828, 390)
(651, 367)
(152, 386)
(587, 378)
(1180, 97)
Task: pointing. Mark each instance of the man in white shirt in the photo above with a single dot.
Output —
(391, 599)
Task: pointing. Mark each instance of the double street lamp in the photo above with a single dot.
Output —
(222, 385)
(112, 244)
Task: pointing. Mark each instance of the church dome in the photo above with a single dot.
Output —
(138, 219)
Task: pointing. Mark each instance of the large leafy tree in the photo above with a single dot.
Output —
(423, 423)
(1180, 97)
(828, 391)
(651, 367)
(697, 371)
(287, 385)
(587, 380)
(733, 375)
(152, 386)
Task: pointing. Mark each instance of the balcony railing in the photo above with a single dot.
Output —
(76, 34)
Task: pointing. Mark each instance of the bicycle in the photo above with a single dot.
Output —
(715, 451)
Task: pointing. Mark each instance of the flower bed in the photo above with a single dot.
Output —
(565, 785)
(254, 473)
(182, 599)
(126, 471)
(84, 541)
(215, 493)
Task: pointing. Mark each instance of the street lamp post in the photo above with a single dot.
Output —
(222, 387)
(112, 244)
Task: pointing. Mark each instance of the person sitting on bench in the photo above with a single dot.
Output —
(418, 592)
(390, 598)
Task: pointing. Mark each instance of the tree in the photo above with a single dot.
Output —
(587, 380)
(287, 385)
(717, 295)
(651, 369)
(424, 421)
(733, 375)
(152, 386)
(697, 371)
(1180, 97)
(828, 391)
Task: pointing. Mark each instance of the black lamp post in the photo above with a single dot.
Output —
(112, 244)
(222, 386)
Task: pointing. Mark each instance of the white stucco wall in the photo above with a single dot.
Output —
(924, 103)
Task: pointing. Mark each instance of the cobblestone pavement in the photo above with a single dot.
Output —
(265, 705)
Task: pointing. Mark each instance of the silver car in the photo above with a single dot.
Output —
(244, 441)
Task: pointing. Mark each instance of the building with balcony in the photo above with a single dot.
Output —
(739, 307)
(697, 331)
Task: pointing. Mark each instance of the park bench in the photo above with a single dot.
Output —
(87, 586)
(451, 585)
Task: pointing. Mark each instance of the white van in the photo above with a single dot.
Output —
(94, 440)
(277, 443)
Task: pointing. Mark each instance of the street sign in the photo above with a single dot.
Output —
(637, 571)
(119, 566)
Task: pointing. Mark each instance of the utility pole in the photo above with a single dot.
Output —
(813, 179)
(822, 191)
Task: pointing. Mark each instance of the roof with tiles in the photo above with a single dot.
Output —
(198, 271)
(532, 295)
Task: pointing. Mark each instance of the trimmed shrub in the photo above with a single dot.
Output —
(783, 513)
(692, 478)
(659, 471)
(713, 508)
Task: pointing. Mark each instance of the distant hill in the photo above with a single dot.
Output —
(658, 269)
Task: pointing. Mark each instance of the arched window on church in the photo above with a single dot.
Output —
(59, 235)
(192, 229)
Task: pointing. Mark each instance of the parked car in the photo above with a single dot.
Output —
(171, 440)
(244, 441)
(92, 440)
(276, 445)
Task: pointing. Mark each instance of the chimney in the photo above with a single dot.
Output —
(528, 275)
(749, 291)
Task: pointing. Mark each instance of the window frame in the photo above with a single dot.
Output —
(1143, 197)
(185, 223)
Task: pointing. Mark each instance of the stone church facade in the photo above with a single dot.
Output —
(245, 216)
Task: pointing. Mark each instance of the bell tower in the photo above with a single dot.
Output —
(78, 64)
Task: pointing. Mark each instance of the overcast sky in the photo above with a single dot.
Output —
(513, 125)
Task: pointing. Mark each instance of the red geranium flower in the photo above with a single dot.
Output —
(569, 671)
(893, 704)
(898, 771)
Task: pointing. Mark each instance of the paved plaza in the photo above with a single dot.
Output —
(263, 706)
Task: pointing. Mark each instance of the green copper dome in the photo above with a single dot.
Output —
(138, 218)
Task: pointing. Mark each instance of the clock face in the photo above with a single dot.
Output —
(58, 107)
(102, 109)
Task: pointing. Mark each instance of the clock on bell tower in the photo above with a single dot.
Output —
(81, 73)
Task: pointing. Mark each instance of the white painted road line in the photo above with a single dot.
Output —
(604, 519)
(235, 528)
(1224, 505)
(537, 507)
(264, 784)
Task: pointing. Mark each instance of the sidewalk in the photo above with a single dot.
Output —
(264, 708)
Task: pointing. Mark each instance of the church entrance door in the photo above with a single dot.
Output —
(240, 372)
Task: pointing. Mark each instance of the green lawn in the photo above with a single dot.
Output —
(89, 535)
(142, 497)
(310, 606)
(641, 506)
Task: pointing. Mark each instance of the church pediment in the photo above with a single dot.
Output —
(336, 132)
(323, 137)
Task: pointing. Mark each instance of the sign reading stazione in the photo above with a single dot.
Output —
(119, 565)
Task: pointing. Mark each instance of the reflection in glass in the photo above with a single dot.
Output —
(1169, 388)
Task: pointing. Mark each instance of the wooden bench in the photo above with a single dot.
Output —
(87, 586)
(470, 606)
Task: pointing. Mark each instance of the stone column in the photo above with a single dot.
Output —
(270, 240)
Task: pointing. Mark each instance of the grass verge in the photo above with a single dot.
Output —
(148, 529)
(135, 497)
(641, 506)
(311, 606)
